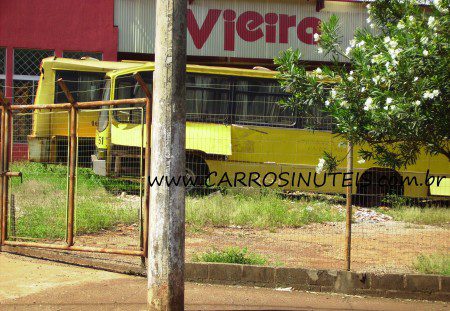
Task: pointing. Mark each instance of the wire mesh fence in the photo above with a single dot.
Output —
(256, 185)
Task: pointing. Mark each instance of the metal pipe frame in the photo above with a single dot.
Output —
(94, 104)
(148, 125)
(76, 248)
(348, 219)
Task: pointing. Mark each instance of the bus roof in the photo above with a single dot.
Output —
(228, 71)
(88, 64)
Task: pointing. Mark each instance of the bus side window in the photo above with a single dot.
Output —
(314, 117)
(257, 102)
(207, 98)
(84, 86)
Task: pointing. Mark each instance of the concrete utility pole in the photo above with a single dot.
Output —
(167, 204)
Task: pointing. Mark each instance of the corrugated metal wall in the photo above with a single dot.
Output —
(136, 22)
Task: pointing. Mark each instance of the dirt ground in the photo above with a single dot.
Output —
(30, 284)
(376, 247)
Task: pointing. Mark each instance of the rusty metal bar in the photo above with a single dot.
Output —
(76, 248)
(148, 118)
(6, 124)
(2, 109)
(93, 104)
(72, 163)
(348, 224)
(66, 91)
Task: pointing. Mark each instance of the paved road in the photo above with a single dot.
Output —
(29, 284)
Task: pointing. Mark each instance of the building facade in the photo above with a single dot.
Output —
(241, 32)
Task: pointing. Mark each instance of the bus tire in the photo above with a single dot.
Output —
(198, 171)
(375, 183)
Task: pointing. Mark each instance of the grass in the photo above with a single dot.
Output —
(257, 209)
(231, 255)
(433, 264)
(421, 216)
(41, 200)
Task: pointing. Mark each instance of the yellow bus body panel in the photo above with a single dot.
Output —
(443, 189)
(208, 138)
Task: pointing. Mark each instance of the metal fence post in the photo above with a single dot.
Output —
(167, 217)
(6, 157)
(348, 227)
(2, 139)
(148, 126)
(72, 162)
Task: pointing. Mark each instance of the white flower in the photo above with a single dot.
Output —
(350, 78)
(430, 95)
(368, 104)
(309, 208)
(425, 53)
(424, 40)
(348, 50)
(351, 72)
(333, 93)
(400, 25)
(319, 167)
(363, 89)
(417, 103)
(360, 44)
(316, 37)
(376, 79)
(431, 21)
(393, 44)
(368, 6)
(361, 161)
(387, 39)
(327, 103)
(318, 70)
(416, 78)
(320, 50)
(372, 26)
(386, 107)
(344, 104)
(411, 18)
(368, 20)
(389, 100)
(352, 43)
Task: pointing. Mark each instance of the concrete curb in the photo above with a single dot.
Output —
(410, 286)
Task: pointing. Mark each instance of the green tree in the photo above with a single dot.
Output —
(392, 97)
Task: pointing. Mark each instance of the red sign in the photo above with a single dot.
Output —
(251, 26)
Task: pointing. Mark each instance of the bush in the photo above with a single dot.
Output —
(433, 264)
(231, 255)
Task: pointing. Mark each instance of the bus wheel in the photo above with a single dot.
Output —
(197, 172)
(375, 183)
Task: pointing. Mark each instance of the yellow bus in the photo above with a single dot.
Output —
(85, 79)
(238, 134)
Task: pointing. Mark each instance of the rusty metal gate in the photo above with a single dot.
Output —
(44, 205)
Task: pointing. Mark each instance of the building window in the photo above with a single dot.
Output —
(25, 82)
(26, 62)
(2, 69)
(79, 55)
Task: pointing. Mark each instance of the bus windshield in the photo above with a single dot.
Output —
(103, 117)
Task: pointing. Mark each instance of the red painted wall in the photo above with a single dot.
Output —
(63, 25)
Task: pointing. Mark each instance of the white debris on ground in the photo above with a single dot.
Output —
(370, 216)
